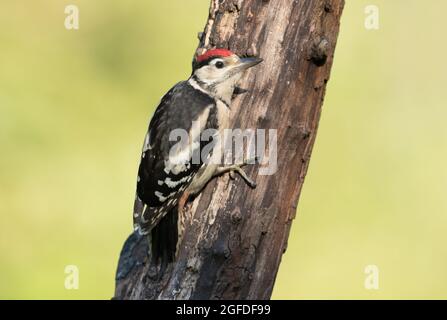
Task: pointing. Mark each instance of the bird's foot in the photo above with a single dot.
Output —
(237, 168)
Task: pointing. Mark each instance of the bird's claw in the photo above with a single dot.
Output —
(244, 176)
(238, 168)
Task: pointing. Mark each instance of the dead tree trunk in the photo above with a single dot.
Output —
(233, 247)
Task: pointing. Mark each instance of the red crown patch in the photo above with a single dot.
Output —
(214, 53)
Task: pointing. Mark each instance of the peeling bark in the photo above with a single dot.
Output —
(233, 247)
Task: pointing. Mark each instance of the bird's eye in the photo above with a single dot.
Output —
(219, 64)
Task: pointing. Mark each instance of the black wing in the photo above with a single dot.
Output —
(160, 184)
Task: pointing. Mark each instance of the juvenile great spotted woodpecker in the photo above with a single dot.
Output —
(165, 184)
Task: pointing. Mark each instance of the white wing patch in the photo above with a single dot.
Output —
(160, 196)
(173, 184)
(163, 198)
(147, 145)
(181, 153)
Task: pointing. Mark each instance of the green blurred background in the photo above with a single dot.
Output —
(74, 107)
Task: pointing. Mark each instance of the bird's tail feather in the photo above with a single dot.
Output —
(164, 237)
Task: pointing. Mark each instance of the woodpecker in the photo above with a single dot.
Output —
(165, 184)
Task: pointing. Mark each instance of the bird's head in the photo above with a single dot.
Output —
(218, 71)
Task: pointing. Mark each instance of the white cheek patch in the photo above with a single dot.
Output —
(206, 75)
(210, 74)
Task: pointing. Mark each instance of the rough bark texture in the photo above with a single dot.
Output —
(233, 247)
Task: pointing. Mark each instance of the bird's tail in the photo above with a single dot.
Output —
(160, 225)
(164, 237)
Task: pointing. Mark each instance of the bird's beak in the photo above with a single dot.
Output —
(249, 62)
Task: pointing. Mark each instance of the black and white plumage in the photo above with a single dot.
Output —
(164, 183)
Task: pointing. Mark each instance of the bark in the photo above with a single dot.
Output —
(233, 247)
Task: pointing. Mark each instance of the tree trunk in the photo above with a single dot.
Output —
(233, 247)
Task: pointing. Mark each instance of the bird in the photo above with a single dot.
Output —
(171, 172)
